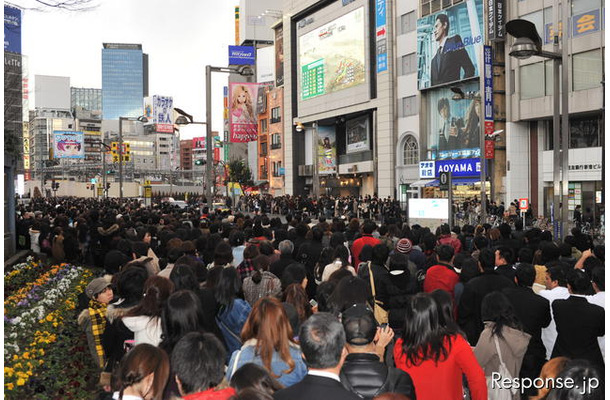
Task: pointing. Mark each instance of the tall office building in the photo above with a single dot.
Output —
(124, 80)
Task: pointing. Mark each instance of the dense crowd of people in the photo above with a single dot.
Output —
(196, 304)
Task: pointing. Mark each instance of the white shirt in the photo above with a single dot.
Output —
(335, 266)
(599, 299)
(145, 329)
(549, 334)
(324, 374)
(115, 396)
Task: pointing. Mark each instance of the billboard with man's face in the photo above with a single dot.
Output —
(455, 125)
(448, 44)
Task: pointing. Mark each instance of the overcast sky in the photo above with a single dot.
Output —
(181, 37)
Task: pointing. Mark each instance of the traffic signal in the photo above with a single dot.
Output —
(199, 162)
(107, 185)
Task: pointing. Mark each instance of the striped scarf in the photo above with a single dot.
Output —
(97, 313)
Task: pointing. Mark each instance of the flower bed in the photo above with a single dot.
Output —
(45, 352)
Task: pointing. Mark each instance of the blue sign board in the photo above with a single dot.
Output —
(242, 55)
(488, 84)
(586, 23)
(581, 24)
(12, 29)
(381, 35)
(458, 168)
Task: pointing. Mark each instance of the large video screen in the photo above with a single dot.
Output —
(428, 208)
(448, 43)
(332, 57)
(454, 125)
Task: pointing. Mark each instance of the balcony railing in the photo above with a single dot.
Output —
(275, 146)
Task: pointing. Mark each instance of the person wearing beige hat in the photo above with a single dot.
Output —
(93, 321)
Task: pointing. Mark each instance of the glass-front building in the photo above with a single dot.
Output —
(124, 76)
(88, 98)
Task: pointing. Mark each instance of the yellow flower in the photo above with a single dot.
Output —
(20, 382)
(49, 318)
(26, 355)
(9, 386)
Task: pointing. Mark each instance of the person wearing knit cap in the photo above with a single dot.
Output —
(404, 246)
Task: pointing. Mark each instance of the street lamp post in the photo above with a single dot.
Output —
(528, 43)
(121, 119)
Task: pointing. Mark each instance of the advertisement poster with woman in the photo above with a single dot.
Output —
(327, 150)
(68, 144)
(243, 118)
(455, 125)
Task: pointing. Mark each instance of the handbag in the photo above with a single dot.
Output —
(381, 315)
(495, 392)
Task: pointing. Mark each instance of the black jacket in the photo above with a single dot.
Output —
(579, 323)
(315, 387)
(365, 375)
(277, 267)
(469, 309)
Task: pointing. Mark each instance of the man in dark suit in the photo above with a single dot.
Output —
(469, 309)
(534, 313)
(322, 342)
(579, 323)
(451, 57)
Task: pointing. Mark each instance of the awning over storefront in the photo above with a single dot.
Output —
(421, 183)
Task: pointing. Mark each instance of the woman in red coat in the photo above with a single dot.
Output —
(435, 358)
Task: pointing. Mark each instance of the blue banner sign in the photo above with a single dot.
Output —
(464, 167)
(381, 35)
(12, 29)
(242, 55)
(488, 84)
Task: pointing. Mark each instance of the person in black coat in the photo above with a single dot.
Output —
(277, 267)
(534, 313)
(579, 323)
(504, 262)
(469, 309)
(363, 373)
(322, 341)
(385, 289)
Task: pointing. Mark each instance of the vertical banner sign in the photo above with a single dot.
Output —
(381, 35)
(225, 91)
(163, 110)
(488, 105)
(495, 20)
(243, 118)
(327, 150)
(279, 56)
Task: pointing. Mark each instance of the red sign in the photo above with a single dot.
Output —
(166, 128)
(523, 204)
(489, 128)
(216, 154)
(489, 149)
(199, 143)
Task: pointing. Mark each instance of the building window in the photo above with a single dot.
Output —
(263, 152)
(410, 151)
(587, 69)
(276, 141)
(409, 64)
(408, 22)
(409, 106)
(537, 18)
(584, 132)
(275, 115)
(264, 125)
(532, 81)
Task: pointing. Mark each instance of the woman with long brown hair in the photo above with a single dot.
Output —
(143, 373)
(267, 337)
